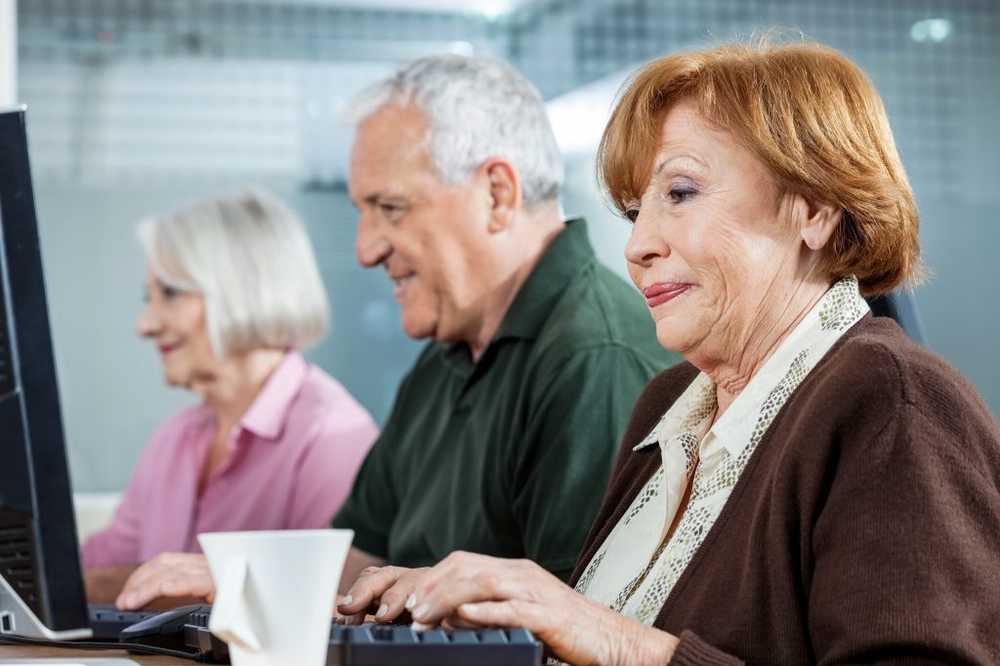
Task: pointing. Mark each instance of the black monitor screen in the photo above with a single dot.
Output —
(38, 548)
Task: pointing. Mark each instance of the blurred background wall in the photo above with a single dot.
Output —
(136, 106)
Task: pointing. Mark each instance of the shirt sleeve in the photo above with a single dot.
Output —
(119, 543)
(569, 447)
(327, 469)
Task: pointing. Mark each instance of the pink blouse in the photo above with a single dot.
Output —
(293, 459)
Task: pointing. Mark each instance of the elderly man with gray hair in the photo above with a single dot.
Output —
(503, 434)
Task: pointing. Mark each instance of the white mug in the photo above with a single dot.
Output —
(274, 593)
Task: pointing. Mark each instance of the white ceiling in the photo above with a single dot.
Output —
(490, 8)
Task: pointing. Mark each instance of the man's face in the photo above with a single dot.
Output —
(431, 237)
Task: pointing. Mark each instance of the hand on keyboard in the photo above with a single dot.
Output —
(380, 591)
(168, 575)
(466, 589)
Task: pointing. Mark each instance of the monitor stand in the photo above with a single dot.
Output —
(17, 618)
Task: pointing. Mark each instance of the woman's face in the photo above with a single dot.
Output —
(713, 245)
(175, 321)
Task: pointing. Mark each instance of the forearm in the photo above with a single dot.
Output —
(103, 584)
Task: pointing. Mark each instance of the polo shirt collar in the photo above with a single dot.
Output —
(269, 411)
(563, 258)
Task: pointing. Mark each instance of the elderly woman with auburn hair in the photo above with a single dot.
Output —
(232, 294)
(810, 485)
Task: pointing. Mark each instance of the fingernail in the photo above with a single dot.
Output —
(411, 601)
(416, 626)
(421, 611)
(347, 601)
(382, 610)
(469, 609)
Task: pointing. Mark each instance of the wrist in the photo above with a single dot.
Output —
(644, 646)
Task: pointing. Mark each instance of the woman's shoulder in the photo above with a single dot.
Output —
(324, 404)
(876, 375)
(876, 354)
(177, 430)
(177, 425)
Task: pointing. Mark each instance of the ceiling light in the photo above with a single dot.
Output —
(931, 30)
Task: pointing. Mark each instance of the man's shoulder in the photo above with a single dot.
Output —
(600, 310)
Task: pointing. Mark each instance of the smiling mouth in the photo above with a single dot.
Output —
(401, 283)
(166, 349)
(661, 292)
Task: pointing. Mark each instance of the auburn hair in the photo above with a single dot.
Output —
(815, 121)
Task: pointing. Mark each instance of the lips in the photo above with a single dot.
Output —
(400, 283)
(166, 349)
(661, 292)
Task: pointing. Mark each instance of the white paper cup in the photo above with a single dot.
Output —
(275, 592)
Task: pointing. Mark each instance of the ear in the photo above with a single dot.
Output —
(505, 192)
(818, 222)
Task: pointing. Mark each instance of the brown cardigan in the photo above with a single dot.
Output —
(865, 527)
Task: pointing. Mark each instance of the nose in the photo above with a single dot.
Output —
(148, 324)
(371, 245)
(646, 242)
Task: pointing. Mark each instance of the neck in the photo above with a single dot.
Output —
(531, 235)
(235, 384)
(771, 323)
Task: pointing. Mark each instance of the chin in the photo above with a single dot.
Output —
(418, 329)
(171, 380)
(672, 337)
(174, 377)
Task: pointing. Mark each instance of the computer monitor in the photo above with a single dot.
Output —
(41, 587)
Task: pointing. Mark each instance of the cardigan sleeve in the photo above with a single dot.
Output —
(692, 651)
(907, 546)
(907, 550)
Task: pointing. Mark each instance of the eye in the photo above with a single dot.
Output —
(170, 293)
(390, 211)
(681, 194)
(632, 213)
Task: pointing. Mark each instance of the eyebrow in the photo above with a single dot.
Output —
(375, 197)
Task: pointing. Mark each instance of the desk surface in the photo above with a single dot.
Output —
(35, 652)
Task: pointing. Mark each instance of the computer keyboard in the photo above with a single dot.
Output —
(378, 644)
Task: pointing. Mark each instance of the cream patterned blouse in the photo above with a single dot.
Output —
(634, 570)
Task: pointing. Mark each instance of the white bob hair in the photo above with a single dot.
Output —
(250, 258)
(477, 108)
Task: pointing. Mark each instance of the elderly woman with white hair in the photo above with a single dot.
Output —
(232, 294)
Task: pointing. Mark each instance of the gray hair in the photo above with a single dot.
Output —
(251, 259)
(477, 108)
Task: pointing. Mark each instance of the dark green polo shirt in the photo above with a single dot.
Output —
(510, 456)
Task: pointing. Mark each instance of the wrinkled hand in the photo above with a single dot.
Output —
(167, 575)
(467, 589)
(379, 590)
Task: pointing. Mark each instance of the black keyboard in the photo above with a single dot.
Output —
(378, 644)
(375, 645)
(107, 621)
